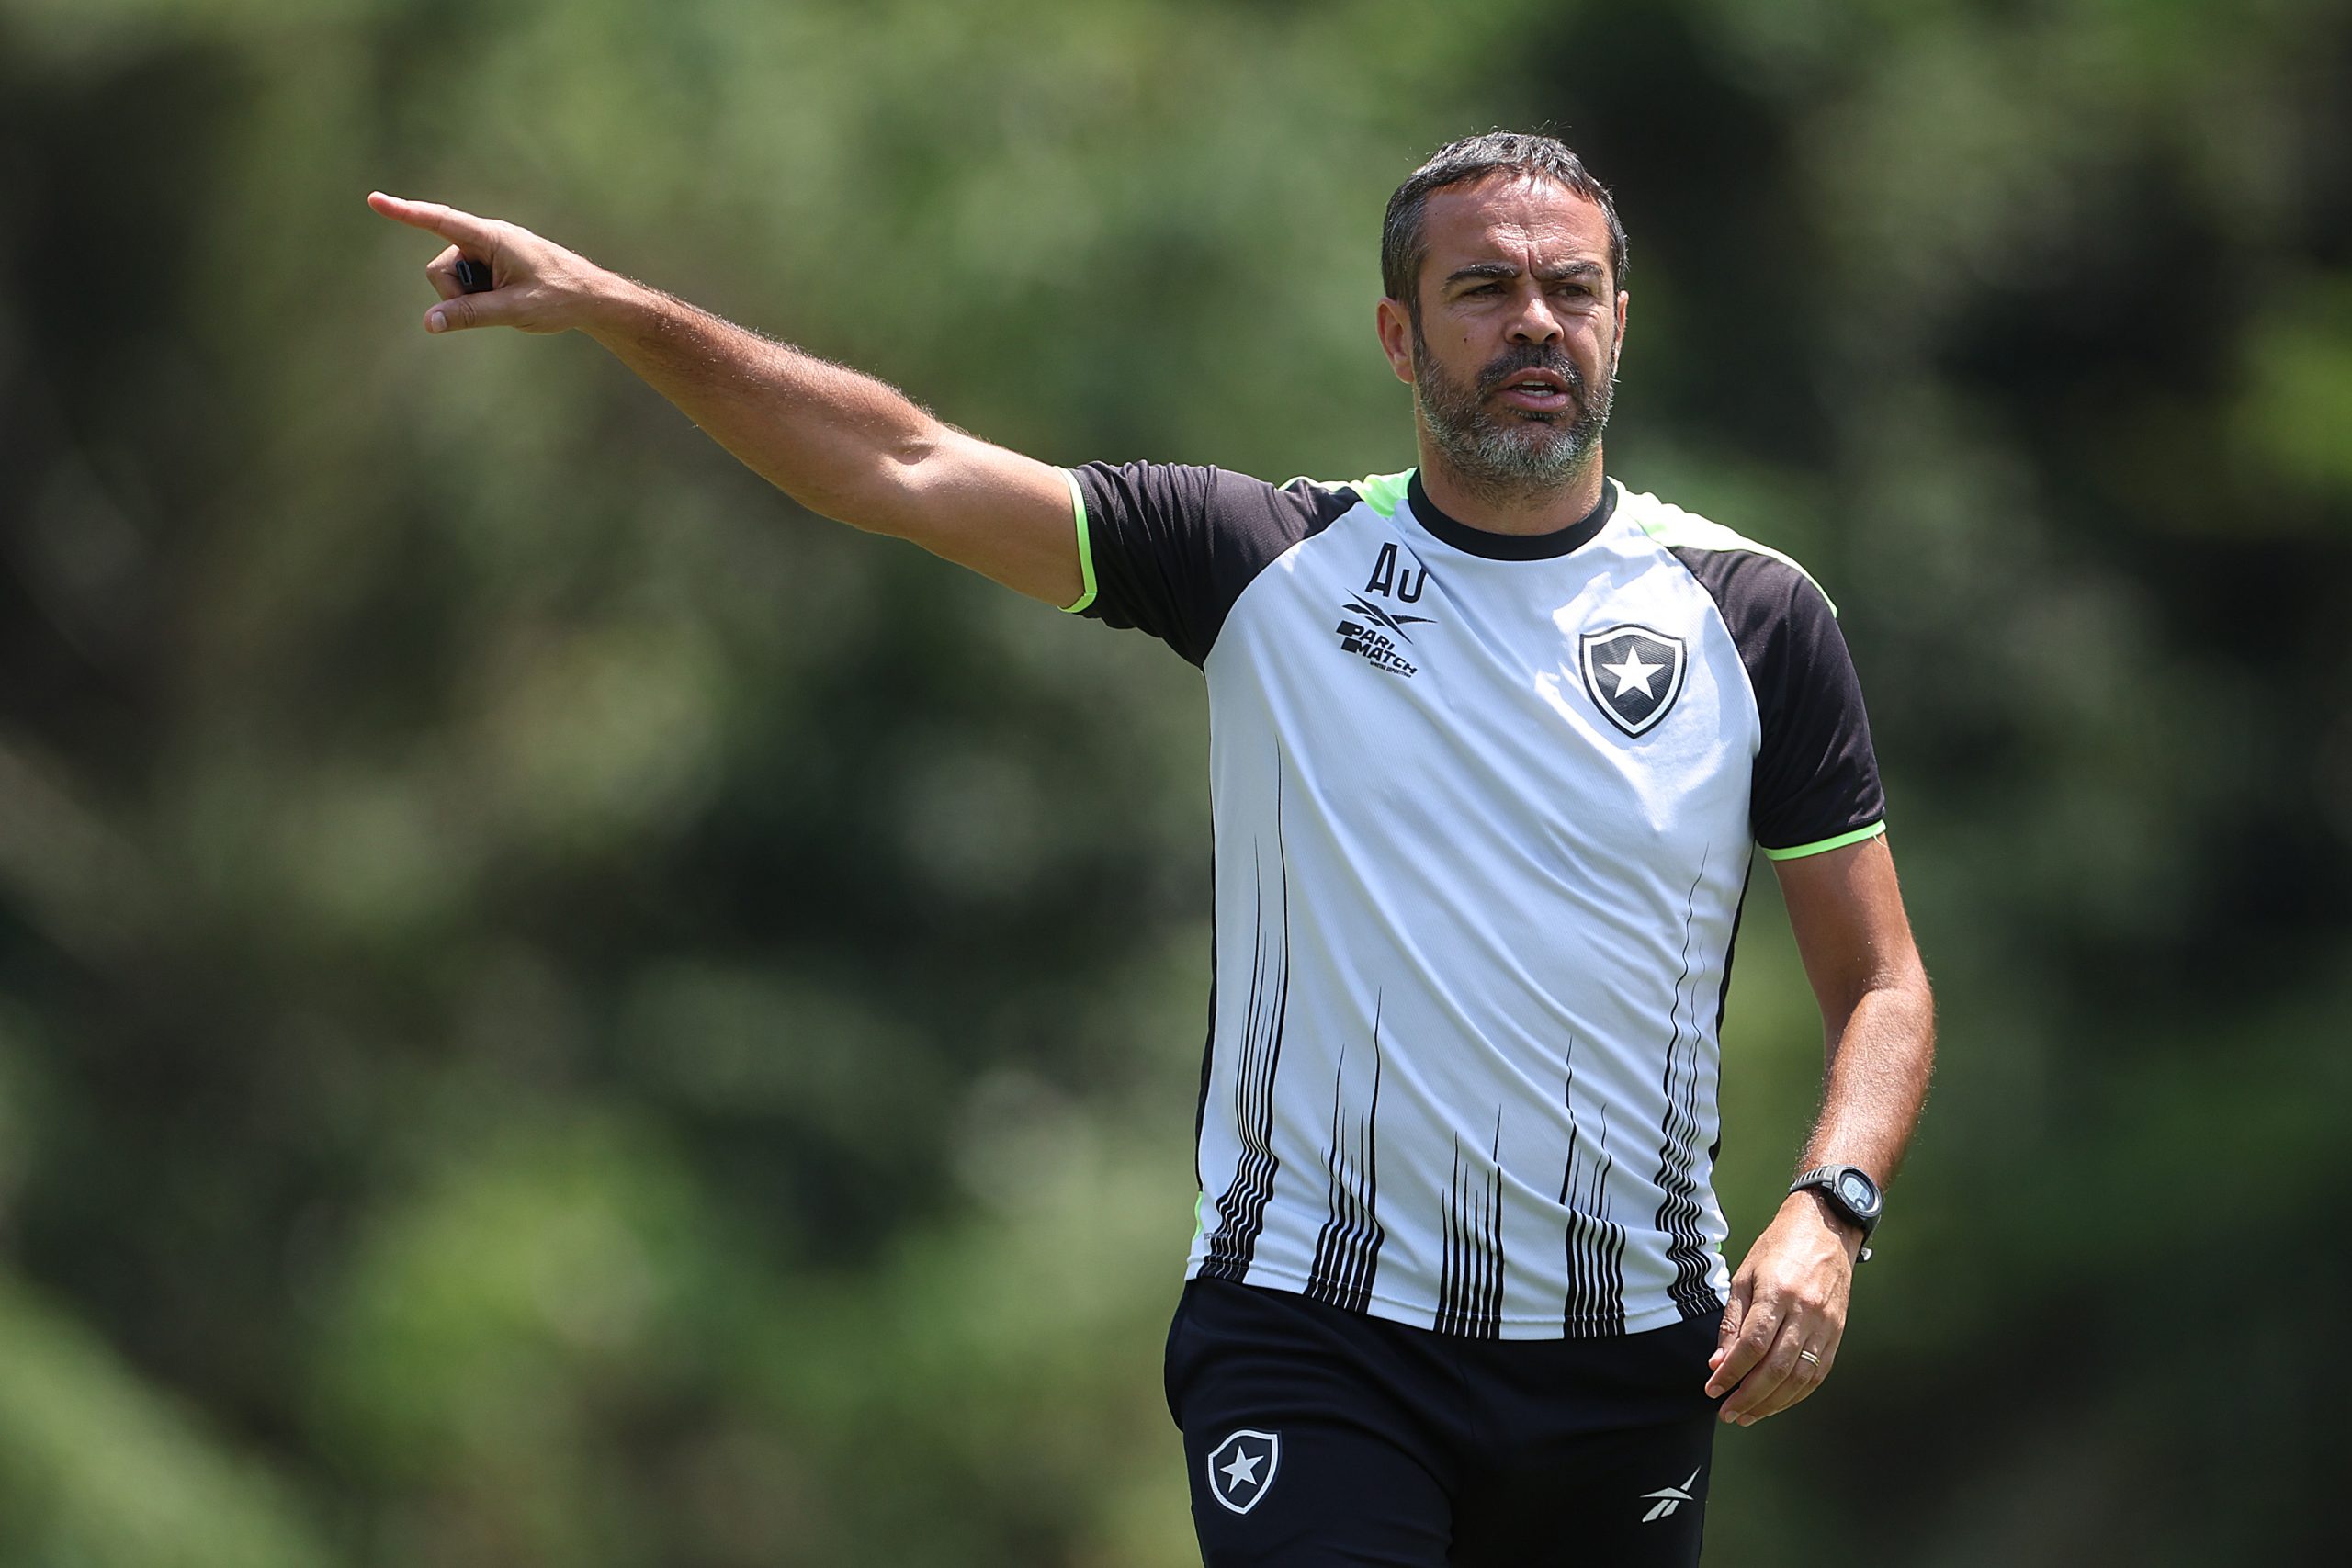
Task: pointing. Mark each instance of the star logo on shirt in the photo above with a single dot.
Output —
(1633, 674)
(1234, 1476)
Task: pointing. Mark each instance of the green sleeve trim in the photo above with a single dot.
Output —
(1825, 845)
(1671, 526)
(1085, 547)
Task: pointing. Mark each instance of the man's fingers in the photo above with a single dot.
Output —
(1745, 1348)
(1771, 1384)
(495, 308)
(1735, 1311)
(478, 235)
(1742, 1290)
(442, 273)
(1803, 1378)
(1768, 1371)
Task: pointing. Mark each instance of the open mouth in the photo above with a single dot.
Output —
(1543, 391)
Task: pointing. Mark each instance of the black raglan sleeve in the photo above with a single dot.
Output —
(1167, 549)
(1815, 784)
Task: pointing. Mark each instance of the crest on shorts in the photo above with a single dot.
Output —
(1633, 674)
(1241, 1468)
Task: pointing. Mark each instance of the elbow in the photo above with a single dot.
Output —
(1906, 977)
(1906, 986)
(1910, 1001)
(1897, 989)
(891, 493)
(878, 490)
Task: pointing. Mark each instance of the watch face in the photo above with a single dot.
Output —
(1856, 1189)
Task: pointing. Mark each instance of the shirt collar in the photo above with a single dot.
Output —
(1509, 546)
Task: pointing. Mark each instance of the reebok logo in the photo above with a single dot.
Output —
(1369, 638)
(1666, 1499)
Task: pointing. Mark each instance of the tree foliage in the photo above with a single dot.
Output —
(554, 1009)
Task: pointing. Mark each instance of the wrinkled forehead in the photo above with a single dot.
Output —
(1527, 219)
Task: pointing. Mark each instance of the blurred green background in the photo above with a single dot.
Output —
(555, 1010)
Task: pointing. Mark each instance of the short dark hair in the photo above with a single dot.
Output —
(1402, 248)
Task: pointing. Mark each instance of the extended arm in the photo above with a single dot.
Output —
(841, 442)
(1790, 1292)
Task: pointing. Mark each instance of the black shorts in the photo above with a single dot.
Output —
(1316, 1436)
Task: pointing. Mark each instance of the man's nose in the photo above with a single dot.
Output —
(1535, 322)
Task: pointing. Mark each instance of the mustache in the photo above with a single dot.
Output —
(1531, 357)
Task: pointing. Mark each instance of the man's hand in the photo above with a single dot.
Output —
(536, 286)
(1788, 1301)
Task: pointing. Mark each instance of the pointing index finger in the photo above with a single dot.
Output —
(459, 228)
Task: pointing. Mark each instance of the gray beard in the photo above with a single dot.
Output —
(1513, 458)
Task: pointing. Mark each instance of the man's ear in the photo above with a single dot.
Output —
(1395, 330)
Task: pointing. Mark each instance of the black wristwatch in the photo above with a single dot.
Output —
(1851, 1193)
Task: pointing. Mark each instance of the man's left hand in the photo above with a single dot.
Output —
(1787, 1313)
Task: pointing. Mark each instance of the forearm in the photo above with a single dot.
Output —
(840, 443)
(1881, 1056)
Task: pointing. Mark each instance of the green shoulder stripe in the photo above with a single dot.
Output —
(1673, 527)
(1085, 547)
(1380, 491)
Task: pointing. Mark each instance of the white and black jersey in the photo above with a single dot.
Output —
(1482, 806)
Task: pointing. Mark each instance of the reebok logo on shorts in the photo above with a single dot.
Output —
(1241, 1468)
(1666, 1499)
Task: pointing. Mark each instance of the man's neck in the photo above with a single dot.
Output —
(1546, 511)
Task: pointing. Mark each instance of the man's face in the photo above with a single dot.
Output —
(1512, 352)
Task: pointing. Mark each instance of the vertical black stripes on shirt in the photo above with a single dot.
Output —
(1470, 1291)
(1347, 1251)
(1678, 1148)
(1208, 1041)
(1241, 1212)
(1596, 1244)
(1731, 951)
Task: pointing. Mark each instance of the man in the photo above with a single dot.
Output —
(1492, 739)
